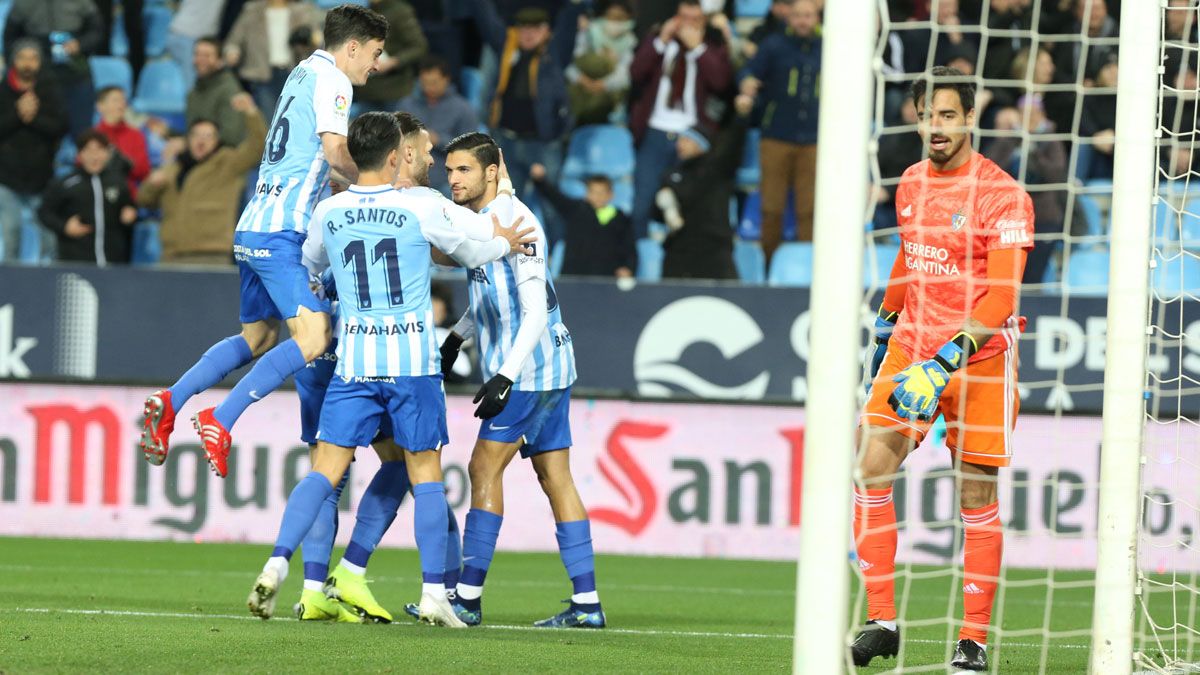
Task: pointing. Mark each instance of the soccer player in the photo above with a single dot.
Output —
(379, 242)
(946, 342)
(529, 367)
(307, 136)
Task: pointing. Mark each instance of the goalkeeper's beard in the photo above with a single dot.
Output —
(944, 156)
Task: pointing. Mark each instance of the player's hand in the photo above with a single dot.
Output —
(885, 322)
(492, 397)
(921, 384)
(76, 228)
(450, 349)
(517, 238)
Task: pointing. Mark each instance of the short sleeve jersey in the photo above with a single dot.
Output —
(378, 244)
(949, 222)
(315, 100)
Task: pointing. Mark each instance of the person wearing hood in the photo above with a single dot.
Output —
(786, 75)
(200, 191)
(215, 88)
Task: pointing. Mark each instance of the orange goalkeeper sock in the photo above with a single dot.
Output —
(984, 546)
(875, 540)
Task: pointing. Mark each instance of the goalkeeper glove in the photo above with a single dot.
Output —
(492, 397)
(884, 323)
(921, 384)
(450, 350)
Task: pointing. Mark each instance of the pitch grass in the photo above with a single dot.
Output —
(103, 606)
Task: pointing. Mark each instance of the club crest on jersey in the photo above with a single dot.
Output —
(957, 221)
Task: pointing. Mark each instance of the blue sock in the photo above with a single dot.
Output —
(303, 505)
(479, 545)
(575, 549)
(429, 503)
(453, 551)
(221, 359)
(318, 543)
(376, 511)
(265, 377)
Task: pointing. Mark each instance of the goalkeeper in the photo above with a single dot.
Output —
(946, 343)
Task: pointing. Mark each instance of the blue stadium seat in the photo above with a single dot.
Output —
(1189, 224)
(752, 9)
(1176, 275)
(749, 226)
(111, 71)
(330, 4)
(650, 260)
(64, 159)
(470, 85)
(160, 91)
(1087, 273)
(623, 194)
(156, 23)
(877, 264)
(748, 173)
(600, 148)
(792, 265)
(556, 258)
(1166, 224)
(749, 260)
(5, 7)
(572, 187)
(147, 247)
(118, 42)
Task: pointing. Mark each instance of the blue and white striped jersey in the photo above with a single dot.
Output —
(378, 244)
(293, 171)
(496, 315)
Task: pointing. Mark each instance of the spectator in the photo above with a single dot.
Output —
(194, 19)
(1098, 122)
(897, 152)
(1073, 58)
(786, 72)
(260, 45)
(405, 45)
(1005, 15)
(681, 78)
(90, 209)
(529, 114)
(599, 76)
(1045, 164)
(599, 238)
(199, 191)
(444, 111)
(776, 21)
(215, 88)
(130, 12)
(70, 31)
(1180, 38)
(694, 203)
(32, 122)
(128, 141)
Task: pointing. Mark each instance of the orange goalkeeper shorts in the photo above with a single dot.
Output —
(980, 405)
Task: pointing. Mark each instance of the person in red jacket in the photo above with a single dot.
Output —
(129, 143)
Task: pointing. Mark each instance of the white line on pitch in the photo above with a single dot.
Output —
(621, 631)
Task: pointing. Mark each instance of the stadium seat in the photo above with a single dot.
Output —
(752, 9)
(64, 159)
(147, 247)
(792, 265)
(160, 91)
(1087, 273)
(749, 260)
(556, 258)
(1176, 275)
(749, 226)
(877, 264)
(118, 42)
(470, 84)
(748, 173)
(1189, 224)
(156, 23)
(572, 187)
(623, 194)
(330, 4)
(650, 260)
(1166, 224)
(110, 71)
(5, 8)
(600, 148)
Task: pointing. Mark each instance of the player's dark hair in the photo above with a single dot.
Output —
(91, 136)
(103, 92)
(944, 77)
(599, 178)
(372, 136)
(434, 62)
(479, 144)
(352, 22)
(409, 124)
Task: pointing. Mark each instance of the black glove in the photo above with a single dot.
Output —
(495, 394)
(450, 350)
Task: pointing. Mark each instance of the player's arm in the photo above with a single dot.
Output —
(331, 106)
(531, 292)
(468, 252)
(314, 255)
(337, 153)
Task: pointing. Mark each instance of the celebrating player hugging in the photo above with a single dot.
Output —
(946, 343)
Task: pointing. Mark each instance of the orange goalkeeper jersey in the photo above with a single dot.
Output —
(948, 224)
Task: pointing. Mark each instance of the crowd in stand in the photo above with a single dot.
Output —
(719, 100)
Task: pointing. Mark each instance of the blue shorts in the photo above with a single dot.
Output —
(414, 407)
(274, 279)
(542, 418)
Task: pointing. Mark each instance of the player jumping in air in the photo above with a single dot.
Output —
(388, 365)
(307, 136)
(946, 342)
(529, 366)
